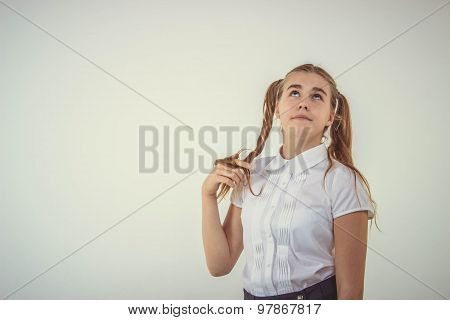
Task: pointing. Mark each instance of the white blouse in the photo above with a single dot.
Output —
(288, 228)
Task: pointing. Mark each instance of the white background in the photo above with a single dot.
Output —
(69, 135)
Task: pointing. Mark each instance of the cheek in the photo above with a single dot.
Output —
(325, 117)
(286, 110)
(285, 118)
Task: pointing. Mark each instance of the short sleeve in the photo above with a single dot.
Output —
(345, 198)
(236, 197)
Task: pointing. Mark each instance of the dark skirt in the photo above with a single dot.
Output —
(324, 290)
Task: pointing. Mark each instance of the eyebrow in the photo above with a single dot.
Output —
(299, 86)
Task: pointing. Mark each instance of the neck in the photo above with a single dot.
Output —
(293, 147)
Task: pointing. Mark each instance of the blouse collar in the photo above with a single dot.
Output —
(301, 162)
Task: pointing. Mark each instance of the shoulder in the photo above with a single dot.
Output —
(339, 175)
(347, 191)
(340, 169)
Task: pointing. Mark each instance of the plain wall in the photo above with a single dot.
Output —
(69, 134)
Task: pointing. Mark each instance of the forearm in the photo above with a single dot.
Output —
(215, 242)
(350, 293)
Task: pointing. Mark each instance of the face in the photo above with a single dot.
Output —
(310, 92)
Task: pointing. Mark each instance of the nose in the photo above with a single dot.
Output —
(300, 106)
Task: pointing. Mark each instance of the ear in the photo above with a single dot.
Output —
(330, 119)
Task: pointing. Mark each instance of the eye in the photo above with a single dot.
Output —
(293, 92)
(318, 96)
(315, 95)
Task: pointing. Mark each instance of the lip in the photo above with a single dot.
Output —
(300, 116)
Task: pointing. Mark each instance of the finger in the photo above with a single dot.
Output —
(221, 166)
(241, 170)
(243, 163)
(241, 174)
(245, 179)
(227, 181)
(230, 173)
(224, 166)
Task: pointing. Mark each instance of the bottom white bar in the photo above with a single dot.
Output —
(220, 309)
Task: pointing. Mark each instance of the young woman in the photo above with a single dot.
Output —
(305, 231)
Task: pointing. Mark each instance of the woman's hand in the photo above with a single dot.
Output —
(233, 177)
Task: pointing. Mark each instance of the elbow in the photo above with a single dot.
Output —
(218, 272)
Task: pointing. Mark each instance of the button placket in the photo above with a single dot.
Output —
(278, 193)
(283, 226)
(262, 273)
(269, 255)
(269, 240)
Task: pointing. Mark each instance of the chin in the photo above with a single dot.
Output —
(300, 127)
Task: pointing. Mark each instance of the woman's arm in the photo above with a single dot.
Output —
(350, 237)
(215, 241)
(222, 244)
